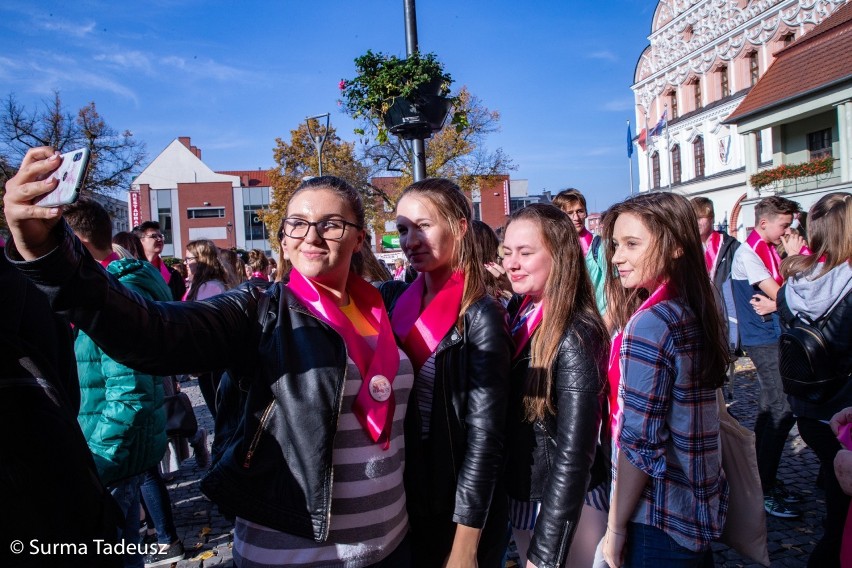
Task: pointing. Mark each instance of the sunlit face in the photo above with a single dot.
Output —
(318, 259)
(425, 237)
(152, 243)
(526, 259)
(705, 227)
(776, 227)
(577, 213)
(191, 263)
(634, 253)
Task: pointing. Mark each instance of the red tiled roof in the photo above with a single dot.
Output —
(256, 178)
(818, 59)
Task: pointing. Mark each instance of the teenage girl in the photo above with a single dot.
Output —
(669, 495)
(557, 393)
(458, 340)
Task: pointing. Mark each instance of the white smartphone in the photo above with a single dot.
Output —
(71, 175)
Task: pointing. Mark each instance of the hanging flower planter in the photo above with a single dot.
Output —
(777, 174)
(407, 97)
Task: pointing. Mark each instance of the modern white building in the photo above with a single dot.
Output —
(703, 58)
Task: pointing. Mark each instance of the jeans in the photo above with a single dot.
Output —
(650, 547)
(159, 506)
(774, 417)
(126, 494)
(819, 437)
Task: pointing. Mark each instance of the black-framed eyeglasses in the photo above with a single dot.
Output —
(155, 236)
(327, 229)
(189, 259)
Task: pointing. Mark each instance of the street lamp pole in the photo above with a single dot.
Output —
(418, 146)
(318, 138)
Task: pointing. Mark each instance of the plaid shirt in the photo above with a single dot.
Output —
(670, 427)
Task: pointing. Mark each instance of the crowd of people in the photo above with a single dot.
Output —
(550, 387)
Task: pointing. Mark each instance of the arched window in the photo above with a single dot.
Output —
(655, 170)
(676, 169)
(698, 155)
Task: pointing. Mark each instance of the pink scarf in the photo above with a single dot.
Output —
(111, 258)
(661, 294)
(260, 276)
(711, 251)
(375, 403)
(770, 257)
(585, 240)
(525, 324)
(421, 332)
(164, 270)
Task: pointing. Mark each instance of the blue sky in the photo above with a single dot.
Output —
(236, 75)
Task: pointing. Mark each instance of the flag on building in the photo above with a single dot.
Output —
(660, 126)
(642, 138)
(629, 141)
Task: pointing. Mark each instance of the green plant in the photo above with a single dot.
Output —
(382, 78)
(792, 171)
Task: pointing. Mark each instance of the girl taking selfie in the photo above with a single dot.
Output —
(314, 472)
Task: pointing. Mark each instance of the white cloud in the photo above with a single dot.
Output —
(203, 68)
(68, 28)
(127, 60)
(618, 105)
(604, 54)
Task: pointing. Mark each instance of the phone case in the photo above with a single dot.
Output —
(71, 175)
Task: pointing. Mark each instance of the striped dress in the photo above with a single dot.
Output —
(368, 515)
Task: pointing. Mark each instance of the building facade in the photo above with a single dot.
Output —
(805, 101)
(703, 58)
(191, 201)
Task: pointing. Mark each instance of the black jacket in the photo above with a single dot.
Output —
(556, 460)
(725, 260)
(49, 486)
(276, 470)
(467, 423)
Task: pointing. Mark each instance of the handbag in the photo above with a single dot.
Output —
(745, 527)
(180, 418)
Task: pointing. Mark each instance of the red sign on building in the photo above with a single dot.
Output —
(135, 208)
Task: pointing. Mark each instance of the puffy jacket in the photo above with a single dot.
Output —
(468, 416)
(121, 412)
(276, 470)
(556, 460)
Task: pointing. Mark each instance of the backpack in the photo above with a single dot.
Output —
(806, 360)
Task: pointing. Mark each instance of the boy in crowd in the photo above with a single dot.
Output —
(756, 279)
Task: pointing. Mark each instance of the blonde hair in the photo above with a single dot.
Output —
(452, 206)
(829, 236)
(208, 267)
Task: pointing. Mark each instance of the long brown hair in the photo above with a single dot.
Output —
(452, 206)
(568, 297)
(829, 236)
(679, 257)
(208, 266)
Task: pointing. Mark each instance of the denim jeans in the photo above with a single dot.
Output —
(159, 506)
(650, 547)
(126, 494)
(819, 437)
(774, 417)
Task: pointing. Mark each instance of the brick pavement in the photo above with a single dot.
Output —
(790, 540)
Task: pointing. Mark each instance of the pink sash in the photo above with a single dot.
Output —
(260, 276)
(525, 324)
(374, 405)
(112, 257)
(768, 254)
(711, 251)
(164, 270)
(661, 294)
(585, 240)
(420, 333)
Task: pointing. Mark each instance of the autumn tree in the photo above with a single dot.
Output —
(298, 159)
(459, 154)
(115, 156)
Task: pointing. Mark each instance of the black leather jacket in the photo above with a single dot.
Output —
(276, 470)
(556, 460)
(468, 416)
